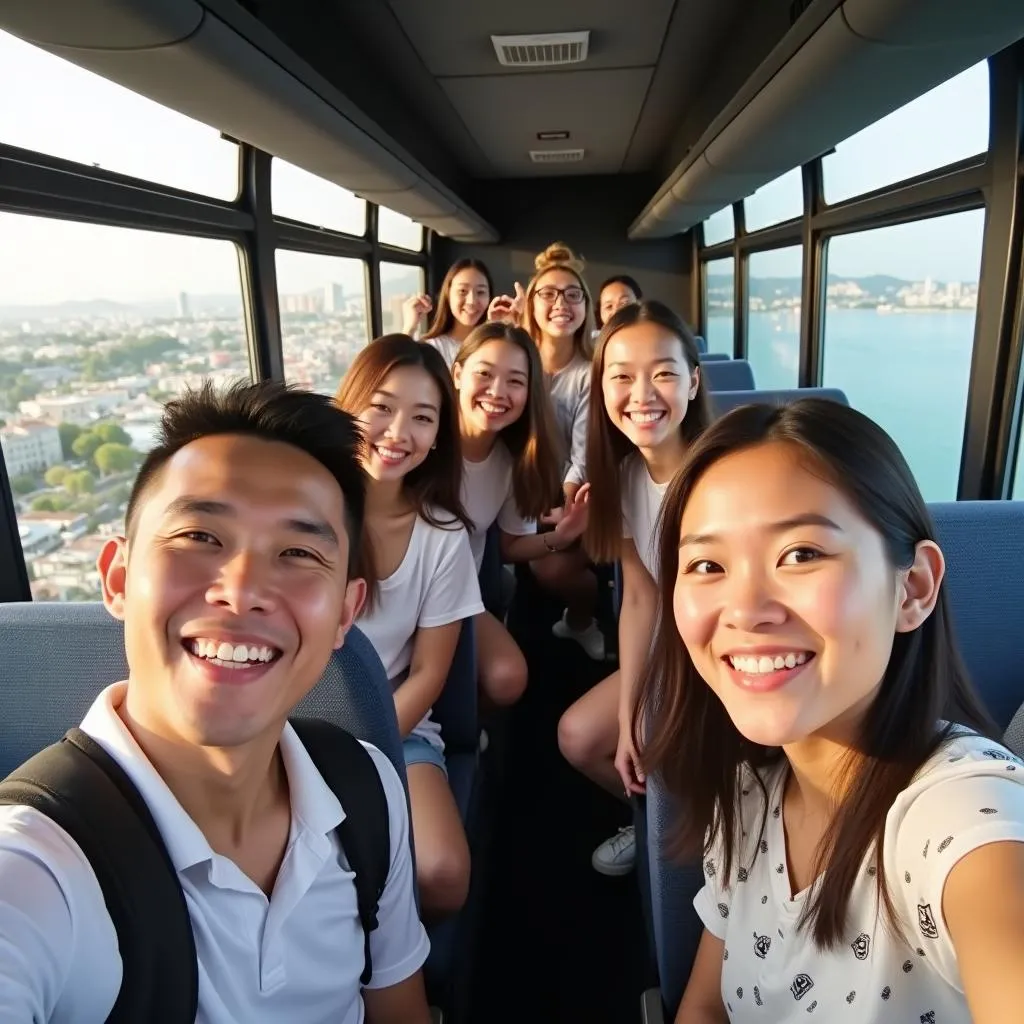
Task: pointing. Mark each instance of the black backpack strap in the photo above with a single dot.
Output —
(365, 834)
(80, 787)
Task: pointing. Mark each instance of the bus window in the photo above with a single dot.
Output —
(395, 229)
(719, 227)
(99, 326)
(299, 195)
(947, 124)
(398, 282)
(719, 304)
(65, 111)
(899, 330)
(324, 316)
(773, 316)
(779, 200)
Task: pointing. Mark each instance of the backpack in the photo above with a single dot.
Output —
(78, 785)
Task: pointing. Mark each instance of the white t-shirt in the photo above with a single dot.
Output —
(570, 396)
(435, 584)
(970, 793)
(641, 503)
(295, 956)
(447, 346)
(487, 498)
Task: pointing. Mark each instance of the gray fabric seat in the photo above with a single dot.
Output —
(726, 401)
(728, 375)
(58, 656)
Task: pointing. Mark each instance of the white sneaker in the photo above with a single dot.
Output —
(616, 856)
(590, 639)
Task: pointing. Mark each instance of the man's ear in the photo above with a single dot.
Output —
(113, 569)
(355, 598)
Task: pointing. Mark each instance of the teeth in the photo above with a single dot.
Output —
(753, 666)
(645, 417)
(223, 653)
(490, 407)
(390, 454)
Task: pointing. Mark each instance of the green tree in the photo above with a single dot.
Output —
(56, 475)
(113, 433)
(87, 444)
(24, 484)
(114, 458)
(82, 482)
(69, 433)
(53, 503)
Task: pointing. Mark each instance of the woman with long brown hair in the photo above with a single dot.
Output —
(511, 465)
(862, 835)
(416, 532)
(650, 404)
(462, 304)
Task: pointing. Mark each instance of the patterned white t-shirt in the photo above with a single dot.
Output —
(969, 794)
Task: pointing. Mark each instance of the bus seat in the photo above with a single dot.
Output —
(726, 401)
(702, 343)
(714, 357)
(729, 375)
(456, 712)
(491, 583)
(58, 656)
(983, 542)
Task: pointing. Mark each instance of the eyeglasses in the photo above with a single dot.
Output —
(574, 295)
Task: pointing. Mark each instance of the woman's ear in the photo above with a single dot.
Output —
(919, 586)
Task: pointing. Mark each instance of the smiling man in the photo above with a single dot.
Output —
(235, 583)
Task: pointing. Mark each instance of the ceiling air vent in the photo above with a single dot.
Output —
(542, 51)
(556, 156)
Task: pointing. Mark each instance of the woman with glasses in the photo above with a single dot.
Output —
(557, 312)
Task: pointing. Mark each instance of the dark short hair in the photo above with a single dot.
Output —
(271, 411)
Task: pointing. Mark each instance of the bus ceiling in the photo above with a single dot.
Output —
(419, 106)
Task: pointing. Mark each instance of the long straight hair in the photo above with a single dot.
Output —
(607, 446)
(443, 319)
(533, 439)
(691, 742)
(436, 483)
(558, 256)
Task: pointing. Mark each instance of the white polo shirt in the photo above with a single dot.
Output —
(294, 957)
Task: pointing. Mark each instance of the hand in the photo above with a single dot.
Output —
(415, 307)
(627, 763)
(508, 308)
(572, 517)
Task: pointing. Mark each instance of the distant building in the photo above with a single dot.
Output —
(184, 312)
(334, 298)
(30, 447)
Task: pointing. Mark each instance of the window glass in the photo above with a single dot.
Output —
(719, 227)
(98, 327)
(719, 303)
(398, 282)
(1018, 474)
(395, 229)
(779, 200)
(324, 320)
(299, 195)
(773, 317)
(944, 125)
(65, 111)
(899, 331)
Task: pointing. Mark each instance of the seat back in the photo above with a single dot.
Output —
(726, 401)
(456, 709)
(58, 656)
(728, 375)
(983, 542)
(714, 357)
(702, 345)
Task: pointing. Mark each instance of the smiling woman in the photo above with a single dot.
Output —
(811, 721)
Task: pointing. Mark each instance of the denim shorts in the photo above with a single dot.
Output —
(418, 751)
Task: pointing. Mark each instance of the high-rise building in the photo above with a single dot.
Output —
(183, 307)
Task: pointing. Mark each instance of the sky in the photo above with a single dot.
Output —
(74, 114)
